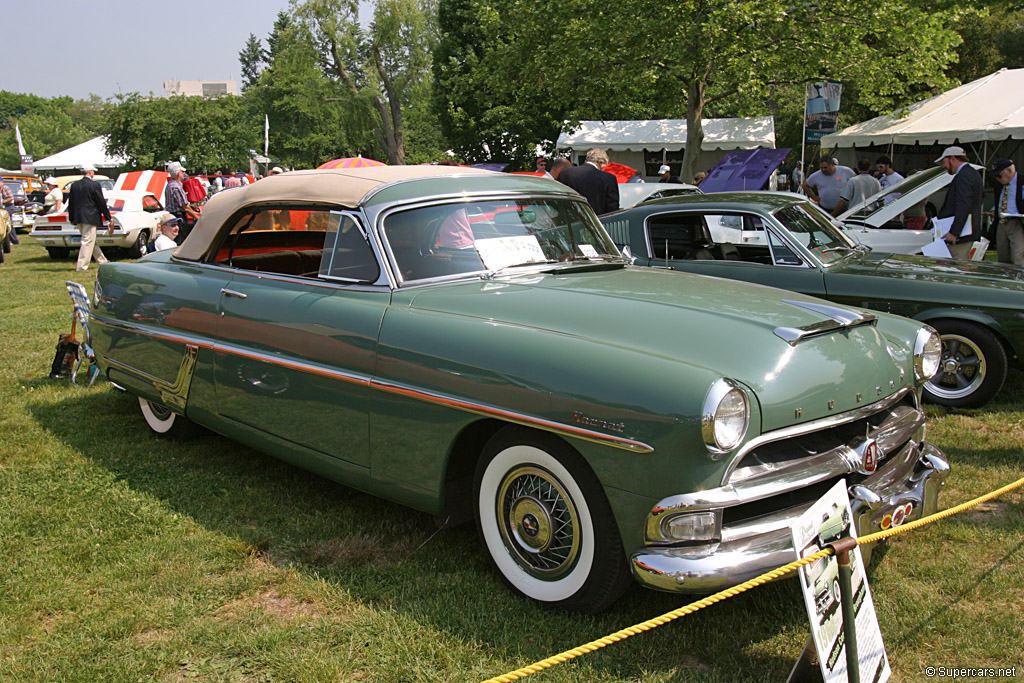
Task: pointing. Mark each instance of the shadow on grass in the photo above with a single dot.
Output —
(393, 557)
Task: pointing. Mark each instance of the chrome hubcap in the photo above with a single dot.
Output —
(963, 368)
(539, 523)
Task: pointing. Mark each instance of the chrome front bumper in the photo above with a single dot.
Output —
(913, 475)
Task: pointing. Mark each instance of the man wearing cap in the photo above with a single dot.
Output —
(599, 187)
(666, 174)
(176, 200)
(87, 208)
(963, 202)
(274, 171)
(168, 231)
(54, 201)
(1009, 204)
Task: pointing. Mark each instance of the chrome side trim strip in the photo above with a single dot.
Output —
(377, 385)
(511, 416)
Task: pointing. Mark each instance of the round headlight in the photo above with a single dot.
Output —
(725, 418)
(927, 354)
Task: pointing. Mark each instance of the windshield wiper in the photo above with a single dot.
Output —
(841, 247)
(490, 274)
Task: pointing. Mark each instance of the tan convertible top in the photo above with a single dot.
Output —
(340, 187)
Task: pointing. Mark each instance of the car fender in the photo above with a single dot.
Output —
(970, 315)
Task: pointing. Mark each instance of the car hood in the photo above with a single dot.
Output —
(907, 193)
(924, 268)
(725, 327)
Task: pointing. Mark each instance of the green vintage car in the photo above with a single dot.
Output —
(473, 345)
(780, 239)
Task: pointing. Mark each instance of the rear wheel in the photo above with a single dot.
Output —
(164, 421)
(973, 368)
(546, 524)
(138, 248)
(58, 253)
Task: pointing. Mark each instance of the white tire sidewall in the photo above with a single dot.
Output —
(537, 589)
(157, 424)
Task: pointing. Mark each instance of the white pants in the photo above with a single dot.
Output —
(88, 248)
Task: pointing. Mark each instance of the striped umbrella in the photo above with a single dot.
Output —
(351, 162)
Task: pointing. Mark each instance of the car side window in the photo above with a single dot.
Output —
(347, 252)
(150, 203)
(677, 236)
(314, 243)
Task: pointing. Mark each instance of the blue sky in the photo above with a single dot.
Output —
(74, 47)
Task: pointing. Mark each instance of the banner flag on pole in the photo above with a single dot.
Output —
(266, 135)
(17, 135)
(821, 115)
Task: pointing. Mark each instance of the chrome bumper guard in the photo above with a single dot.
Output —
(748, 549)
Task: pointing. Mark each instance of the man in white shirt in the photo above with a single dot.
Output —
(1009, 203)
(168, 231)
(887, 177)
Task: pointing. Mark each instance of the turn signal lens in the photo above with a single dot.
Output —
(698, 526)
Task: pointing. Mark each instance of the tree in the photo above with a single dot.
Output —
(728, 54)
(47, 125)
(209, 132)
(375, 70)
(253, 59)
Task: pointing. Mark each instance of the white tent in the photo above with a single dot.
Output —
(988, 109)
(645, 145)
(89, 152)
(670, 134)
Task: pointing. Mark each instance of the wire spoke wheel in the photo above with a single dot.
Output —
(539, 522)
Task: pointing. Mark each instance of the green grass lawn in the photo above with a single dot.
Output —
(124, 557)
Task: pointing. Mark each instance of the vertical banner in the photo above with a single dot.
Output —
(266, 135)
(822, 110)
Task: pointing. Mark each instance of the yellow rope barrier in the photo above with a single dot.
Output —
(736, 590)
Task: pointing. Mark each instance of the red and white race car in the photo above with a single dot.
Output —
(135, 211)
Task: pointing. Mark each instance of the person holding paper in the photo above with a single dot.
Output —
(1009, 222)
(963, 202)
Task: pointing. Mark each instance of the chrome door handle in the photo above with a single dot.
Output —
(231, 292)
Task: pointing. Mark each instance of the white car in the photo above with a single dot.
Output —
(631, 194)
(135, 211)
(878, 221)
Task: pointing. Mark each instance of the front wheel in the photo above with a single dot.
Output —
(546, 524)
(164, 421)
(973, 367)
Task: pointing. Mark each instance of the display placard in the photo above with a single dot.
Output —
(828, 520)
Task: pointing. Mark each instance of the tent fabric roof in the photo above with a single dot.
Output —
(89, 152)
(670, 134)
(990, 108)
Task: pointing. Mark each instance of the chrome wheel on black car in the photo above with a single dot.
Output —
(973, 366)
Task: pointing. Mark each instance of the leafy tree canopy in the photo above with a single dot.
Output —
(210, 133)
(47, 125)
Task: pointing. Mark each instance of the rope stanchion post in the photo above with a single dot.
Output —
(842, 549)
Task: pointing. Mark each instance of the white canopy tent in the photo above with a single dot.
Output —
(981, 114)
(670, 134)
(89, 152)
(626, 141)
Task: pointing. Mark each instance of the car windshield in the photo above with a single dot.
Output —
(495, 235)
(813, 230)
(905, 186)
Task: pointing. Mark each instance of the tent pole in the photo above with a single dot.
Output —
(803, 147)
